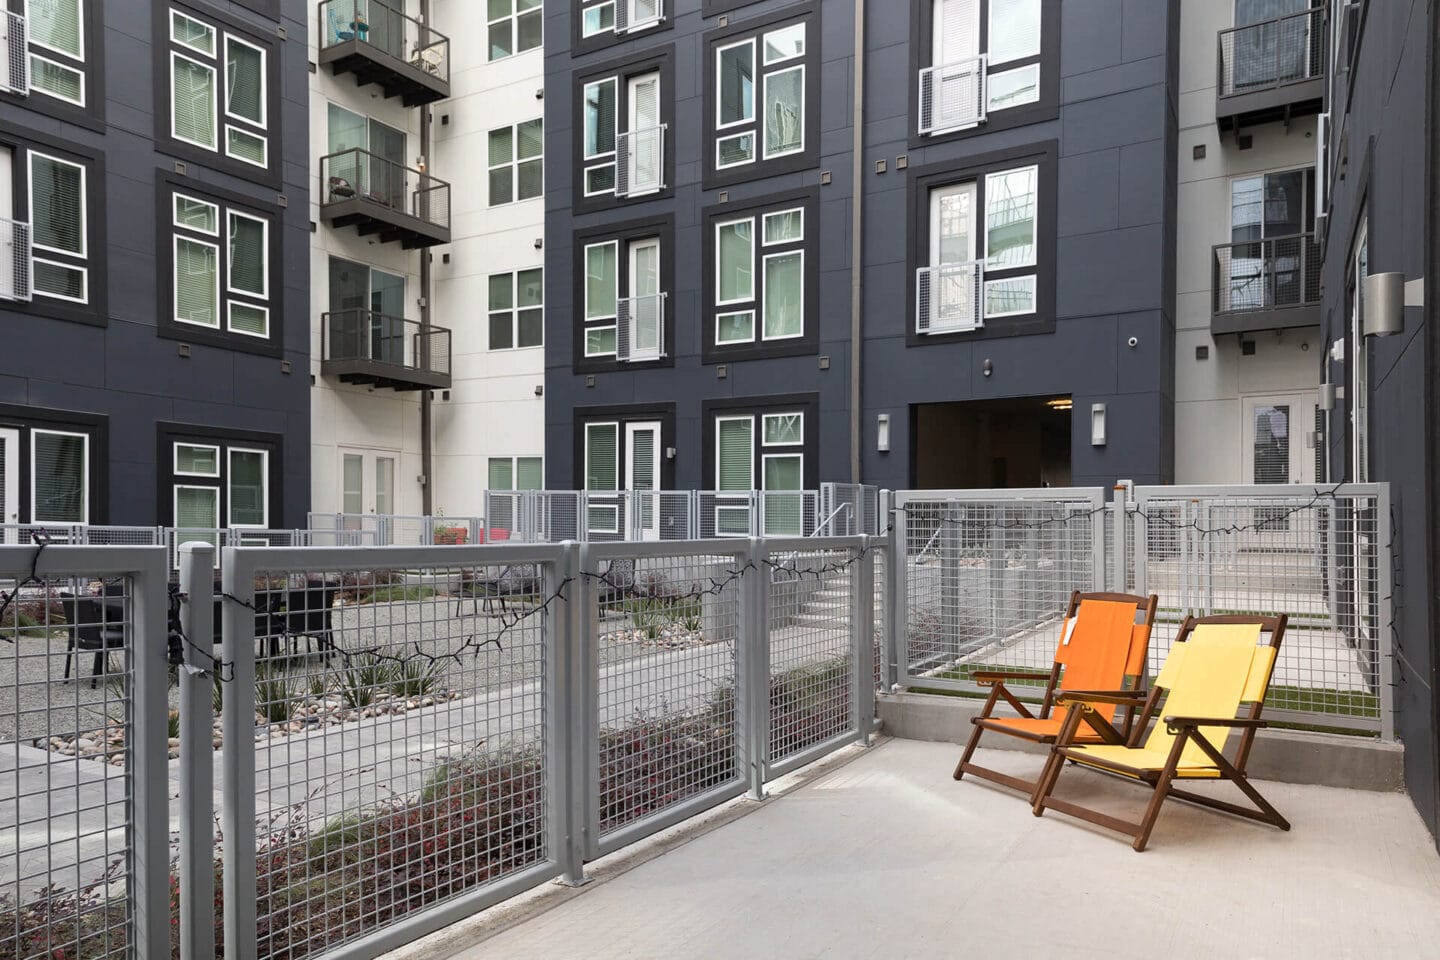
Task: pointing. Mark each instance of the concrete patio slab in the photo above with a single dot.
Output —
(889, 857)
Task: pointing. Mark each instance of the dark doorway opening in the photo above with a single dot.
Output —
(982, 444)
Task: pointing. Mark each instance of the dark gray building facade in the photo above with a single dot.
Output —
(1014, 200)
(154, 276)
(1381, 171)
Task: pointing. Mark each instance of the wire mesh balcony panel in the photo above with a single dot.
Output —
(640, 161)
(952, 96)
(948, 297)
(15, 273)
(14, 55)
(384, 46)
(1273, 282)
(384, 198)
(362, 346)
(640, 328)
(1272, 68)
(631, 15)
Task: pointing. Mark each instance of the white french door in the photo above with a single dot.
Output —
(954, 281)
(645, 310)
(367, 484)
(644, 120)
(1275, 431)
(9, 483)
(642, 468)
(955, 31)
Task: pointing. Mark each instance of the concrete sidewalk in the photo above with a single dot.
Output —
(888, 857)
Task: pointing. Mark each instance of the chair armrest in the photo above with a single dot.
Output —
(985, 677)
(1175, 724)
(1122, 698)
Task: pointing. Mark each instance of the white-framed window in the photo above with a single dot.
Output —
(517, 309)
(220, 484)
(220, 266)
(196, 460)
(517, 162)
(602, 273)
(1008, 71)
(219, 90)
(59, 476)
(602, 99)
(623, 151)
(57, 40)
(760, 277)
(247, 486)
(761, 451)
(624, 312)
(768, 122)
(602, 474)
(599, 17)
(59, 225)
(514, 27)
(516, 473)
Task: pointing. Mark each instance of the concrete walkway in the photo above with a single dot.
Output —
(888, 857)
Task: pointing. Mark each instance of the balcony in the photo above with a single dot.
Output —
(640, 328)
(15, 282)
(362, 346)
(1266, 285)
(381, 197)
(640, 161)
(380, 45)
(948, 297)
(14, 55)
(952, 96)
(1272, 70)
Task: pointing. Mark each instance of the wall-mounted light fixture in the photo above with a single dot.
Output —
(1386, 297)
(1097, 424)
(882, 433)
(1327, 397)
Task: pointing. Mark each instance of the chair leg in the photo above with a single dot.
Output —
(69, 654)
(969, 751)
(97, 668)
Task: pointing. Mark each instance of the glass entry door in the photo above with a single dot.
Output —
(1276, 431)
(367, 484)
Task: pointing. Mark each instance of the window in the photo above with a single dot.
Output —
(57, 49)
(220, 482)
(771, 125)
(219, 88)
(623, 116)
(517, 309)
(60, 470)
(619, 16)
(515, 26)
(221, 267)
(59, 237)
(760, 277)
(624, 301)
(768, 447)
(984, 58)
(516, 473)
(602, 473)
(1359, 351)
(517, 165)
(1269, 262)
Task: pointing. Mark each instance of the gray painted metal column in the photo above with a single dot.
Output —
(197, 754)
(147, 755)
(753, 672)
(563, 634)
(863, 617)
(237, 811)
(1385, 621)
(1118, 560)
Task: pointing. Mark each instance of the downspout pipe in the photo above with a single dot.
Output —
(427, 397)
(857, 239)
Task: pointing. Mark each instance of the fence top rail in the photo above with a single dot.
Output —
(1290, 491)
(66, 560)
(1087, 494)
(343, 559)
(729, 547)
(774, 545)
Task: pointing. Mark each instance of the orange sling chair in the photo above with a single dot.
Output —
(1103, 644)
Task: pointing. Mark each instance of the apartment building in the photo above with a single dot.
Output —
(426, 264)
(1248, 260)
(152, 228)
(1009, 185)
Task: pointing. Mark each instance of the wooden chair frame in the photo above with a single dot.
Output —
(1185, 730)
(995, 680)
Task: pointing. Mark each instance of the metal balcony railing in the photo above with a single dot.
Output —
(15, 272)
(1272, 53)
(640, 327)
(948, 297)
(952, 96)
(1267, 274)
(364, 346)
(386, 31)
(638, 14)
(392, 187)
(14, 55)
(640, 161)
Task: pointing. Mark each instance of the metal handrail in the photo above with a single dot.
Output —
(1270, 283)
(628, 144)
(823, 526)
(952, 96)
(16, 281)
(14, 55)
(380, 338)
(625, 23)
(390, 31)
(629, 315)
(940, 297)
(357, 174)
(1307, 42)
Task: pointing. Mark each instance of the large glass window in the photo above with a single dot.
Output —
(516, 473)
(601, 104)
(60, 471)
(517, 165)
(601, 296)
(969, 79)
(231, 120)
(517, 309)
(760, 286)
(57, 48)
(775, 127)
(58, 228)
(767, 447)
(221, 279)
(220, 484)
(602, 473)
(514, 26)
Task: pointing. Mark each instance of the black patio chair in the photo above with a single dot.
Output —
(513, 581)
(98, 624)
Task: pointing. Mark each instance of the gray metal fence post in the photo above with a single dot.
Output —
(1118, 565)
(564, 633)
(1384, 558)
(887, 533)
(862, 586)
(753, 672)
(237, 810)
(897, 601)
(197, 753)
(148, 757)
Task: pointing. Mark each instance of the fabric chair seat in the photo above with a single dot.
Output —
(1144, 759)
(1048, 728)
